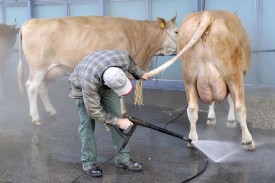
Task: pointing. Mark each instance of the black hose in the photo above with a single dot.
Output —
(157, 128)
(205, 157)
(143, 123)
(99, 164)
(166, 124)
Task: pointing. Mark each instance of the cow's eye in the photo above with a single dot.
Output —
(176, 32)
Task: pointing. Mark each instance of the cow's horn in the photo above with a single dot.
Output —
(15, 23)
(174, 18)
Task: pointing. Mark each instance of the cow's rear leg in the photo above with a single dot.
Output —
(247, 141)
(43, 92)
(192, 112)
(211, 119)
(231, 120)
(32, 89)
(240, 109)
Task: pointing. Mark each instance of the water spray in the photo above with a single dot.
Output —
(215, 150)
(143, 123)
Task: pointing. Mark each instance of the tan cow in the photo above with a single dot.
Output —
(7, 39)
(215, 54)
(216, 65)
(53, 47)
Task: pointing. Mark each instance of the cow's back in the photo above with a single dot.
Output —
(66, 41)
(222, 53)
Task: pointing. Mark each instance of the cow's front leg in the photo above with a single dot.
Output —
(211, 119)
(43, 92)
(192, 112)
(231, 120)
(32, 89)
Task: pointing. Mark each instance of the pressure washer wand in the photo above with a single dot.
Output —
(157, 128)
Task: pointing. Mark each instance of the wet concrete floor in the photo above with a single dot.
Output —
(51, 153)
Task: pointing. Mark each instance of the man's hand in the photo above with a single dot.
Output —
(124, 123)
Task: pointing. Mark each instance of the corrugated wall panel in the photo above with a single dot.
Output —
(135, 9)
(50, 11)
(267, 60)
(84, 9)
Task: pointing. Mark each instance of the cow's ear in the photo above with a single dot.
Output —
(161, 22)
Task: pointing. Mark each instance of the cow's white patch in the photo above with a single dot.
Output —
(231, 114)
(38, 77)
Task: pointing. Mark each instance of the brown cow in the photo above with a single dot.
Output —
(53, 47)
(7, 39)
(215, 54)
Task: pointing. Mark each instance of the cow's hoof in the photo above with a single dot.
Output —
(231, 124)
(38, 122)
(55, 115)
(249, 146)
(211, 121)
(190, 145)
(52, 113)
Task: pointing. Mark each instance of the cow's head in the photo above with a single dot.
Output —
(169, 45)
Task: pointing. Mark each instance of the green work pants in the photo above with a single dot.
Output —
(111, 104)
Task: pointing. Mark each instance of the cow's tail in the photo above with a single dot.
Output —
(20, 69)
(205, 21)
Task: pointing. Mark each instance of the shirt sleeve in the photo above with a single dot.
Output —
(93, 106)
(134, 70)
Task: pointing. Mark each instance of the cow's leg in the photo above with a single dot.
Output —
(33, 85)
(192, 111)
(43, 92)
(124, 111)
(211, 119)
(237, 93)
(231, 120)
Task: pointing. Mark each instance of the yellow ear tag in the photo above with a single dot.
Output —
(162, 25)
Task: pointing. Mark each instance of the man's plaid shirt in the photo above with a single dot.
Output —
(87, 81)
